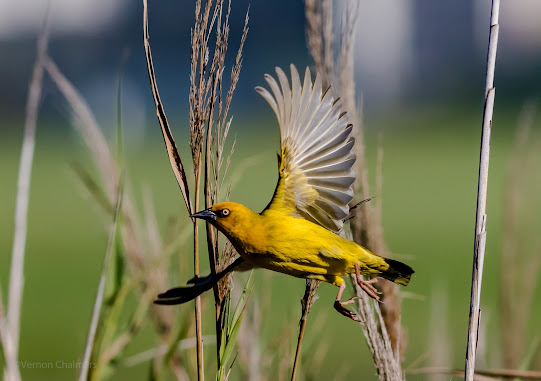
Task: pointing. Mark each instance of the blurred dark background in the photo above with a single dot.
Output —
(408, 53)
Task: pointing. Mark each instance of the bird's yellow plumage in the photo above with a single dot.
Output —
(298, 233)
(293, 245)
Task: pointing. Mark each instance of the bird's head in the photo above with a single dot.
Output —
(229, 217)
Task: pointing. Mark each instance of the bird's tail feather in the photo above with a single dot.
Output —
(397, 272)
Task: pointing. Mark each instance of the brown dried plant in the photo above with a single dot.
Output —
(380, 323)
(209, 128)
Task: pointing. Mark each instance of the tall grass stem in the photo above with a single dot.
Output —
(481, 217)
(16, 276)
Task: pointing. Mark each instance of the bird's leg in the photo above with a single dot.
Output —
(366, 285)
(340, 306)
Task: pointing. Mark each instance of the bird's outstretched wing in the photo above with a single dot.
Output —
(316, 159)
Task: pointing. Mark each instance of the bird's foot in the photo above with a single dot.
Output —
(366, 285)
(339, 306)
(350, 301)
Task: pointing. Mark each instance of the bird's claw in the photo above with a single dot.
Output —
(350, 301)
(366, 285)
(368, 288)
(339, 306)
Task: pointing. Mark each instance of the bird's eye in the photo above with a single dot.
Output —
(225, 212)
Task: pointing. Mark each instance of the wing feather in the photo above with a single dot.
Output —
(316, 159)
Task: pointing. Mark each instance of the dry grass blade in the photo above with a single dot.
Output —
(153, 353)
(480, 220)
(207, 109)
(174, 157)
(88, 128)
(86, 124)
(92, 187)
(101, 287)
(386, 362)
(10, 336)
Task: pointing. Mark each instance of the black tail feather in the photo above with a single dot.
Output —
(398, 272)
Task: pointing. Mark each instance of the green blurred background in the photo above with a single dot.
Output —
(423, 105)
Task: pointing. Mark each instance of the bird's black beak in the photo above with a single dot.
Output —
(206, 214)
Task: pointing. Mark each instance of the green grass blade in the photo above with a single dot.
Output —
(233, 326)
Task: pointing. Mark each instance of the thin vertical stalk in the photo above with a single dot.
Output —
(211, 236)
(307, 301)
(481, 217)
(16, 276)
(198, 332)
(298, 351)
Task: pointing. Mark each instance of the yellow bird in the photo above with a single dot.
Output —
(298, 233)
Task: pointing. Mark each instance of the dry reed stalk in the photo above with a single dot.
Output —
(480, 219)
(386, 361)
(11, 322)
(520, 269)
(381, 328)
(208, 109)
